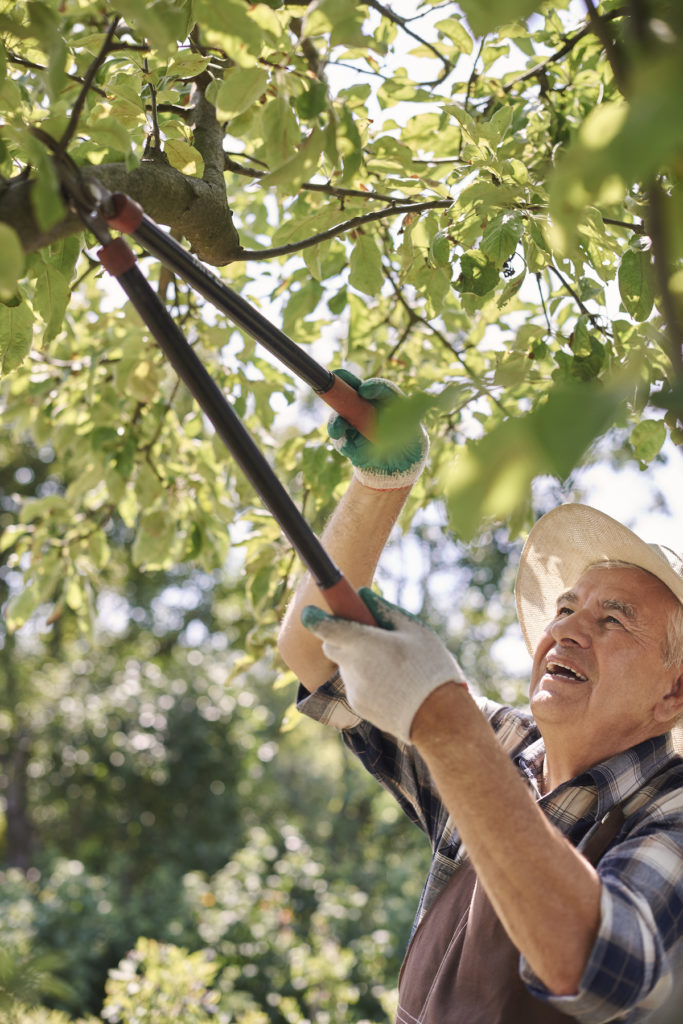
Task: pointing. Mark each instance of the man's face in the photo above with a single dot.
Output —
(598, 678)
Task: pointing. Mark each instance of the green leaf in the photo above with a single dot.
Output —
(162, 22)
(365, 266)
(281, 132)
(487, 15)
(187, 64)
(12, 261)
(184, 157)
(440, 249)
(109, 132)
(477, 273)
(299, 168)
(20, 608)
(51, 299)
(647, 438)
(312, 101)
(46, 197)
(454, 30)
(491, 477)
(16, 333)
(636, 283)
(501, 238)
(349, 144)
(63, 254)
(227, 24)
(435, 284)
(154, 541)
(240, 88)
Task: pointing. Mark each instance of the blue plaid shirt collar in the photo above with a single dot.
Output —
(613, 780)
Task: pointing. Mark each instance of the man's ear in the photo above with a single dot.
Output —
(670, 706)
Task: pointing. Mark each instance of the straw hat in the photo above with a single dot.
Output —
(562, 545)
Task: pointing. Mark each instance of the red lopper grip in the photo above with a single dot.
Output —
(117, 257)
(127, 213)
(347, 603)
(346, 401)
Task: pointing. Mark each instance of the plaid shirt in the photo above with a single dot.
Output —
(639, 946)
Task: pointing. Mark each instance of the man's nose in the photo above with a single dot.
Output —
(572, 629)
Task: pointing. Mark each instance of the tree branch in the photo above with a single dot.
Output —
(595, 321)
(23, 62)
(566, 48)
(187, 205)
(87, 83)
(328, 189)
(341, 229)
(386, 12)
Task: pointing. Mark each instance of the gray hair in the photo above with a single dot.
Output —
(672, 647)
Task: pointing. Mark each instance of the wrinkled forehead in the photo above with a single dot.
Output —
(629, 582)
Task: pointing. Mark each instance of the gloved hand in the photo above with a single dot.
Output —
(381, 471)
(387, 672)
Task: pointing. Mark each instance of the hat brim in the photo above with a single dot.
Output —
(559, 549)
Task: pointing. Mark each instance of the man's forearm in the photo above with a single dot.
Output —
(354, 538)
(545, 893)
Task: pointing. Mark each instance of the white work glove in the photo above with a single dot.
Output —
(381, 471)
(387, 672)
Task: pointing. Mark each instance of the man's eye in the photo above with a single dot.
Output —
(563, 611)
(611, 618)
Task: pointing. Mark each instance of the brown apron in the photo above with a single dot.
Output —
(461, 967)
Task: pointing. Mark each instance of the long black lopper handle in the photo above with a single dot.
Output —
(344, 601)
(128, 216)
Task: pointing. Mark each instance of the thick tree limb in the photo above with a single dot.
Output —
(189, 206)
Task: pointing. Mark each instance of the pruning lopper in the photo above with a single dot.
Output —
(100, 211)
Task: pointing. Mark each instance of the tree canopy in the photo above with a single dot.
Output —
(480, 201)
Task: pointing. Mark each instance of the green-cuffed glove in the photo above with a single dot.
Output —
(380, 471)
(387, 672)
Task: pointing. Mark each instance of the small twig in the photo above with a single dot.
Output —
(595, 320)
(637, 229)
(468, 91)
(545, 308)
(386, 12)
(147, 448)
(415, 319)
(315, 186)
(566, 48)
(156, 134)
(87, 83)
(14, 58)
(473, 73)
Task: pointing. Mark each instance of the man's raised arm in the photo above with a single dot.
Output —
(354, 538)
(359, 528)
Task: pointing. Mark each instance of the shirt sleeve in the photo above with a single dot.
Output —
(635, 957)
(397, 766)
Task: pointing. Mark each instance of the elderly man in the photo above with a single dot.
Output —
(556, 886)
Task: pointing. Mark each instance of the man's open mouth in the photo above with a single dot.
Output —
(555, 668)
